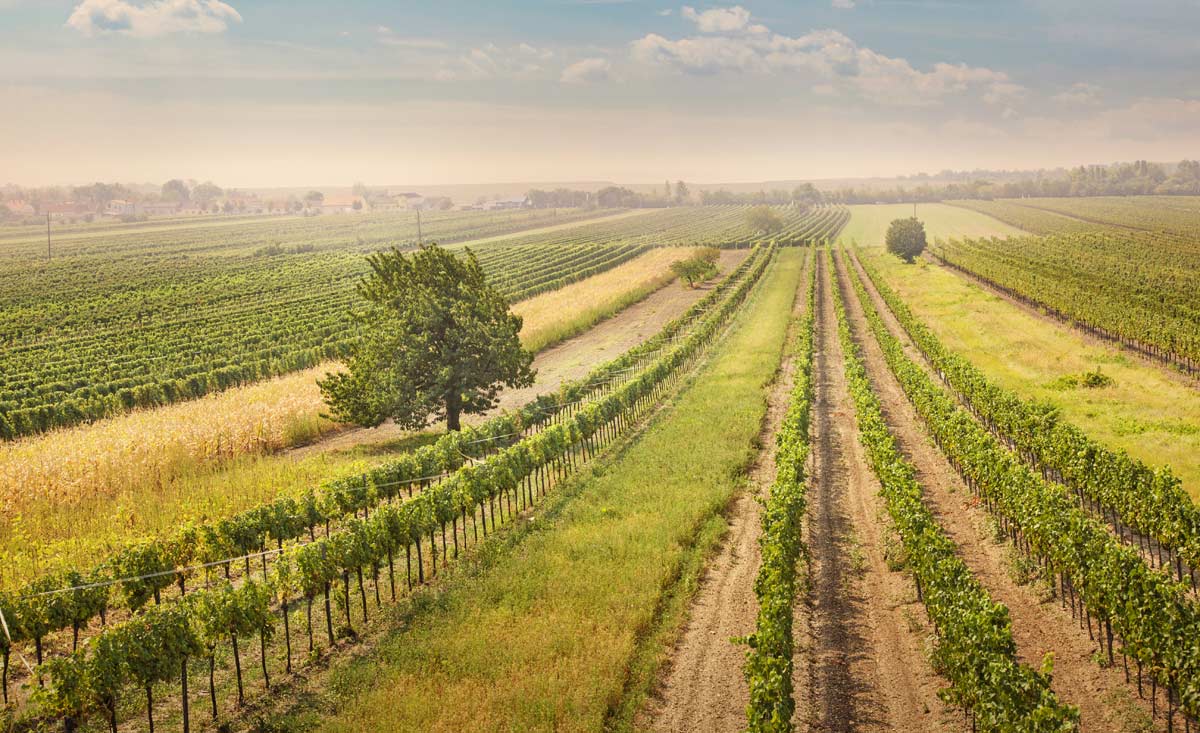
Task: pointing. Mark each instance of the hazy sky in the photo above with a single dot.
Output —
(294, 92)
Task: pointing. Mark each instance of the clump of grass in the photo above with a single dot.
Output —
(1133, 426)
(1091, 379)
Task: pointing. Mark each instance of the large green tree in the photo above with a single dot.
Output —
(437, 341)
(906, 238)
(763, 220)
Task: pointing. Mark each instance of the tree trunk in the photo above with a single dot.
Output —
(212, 684)
(287, 634)
(454, 411)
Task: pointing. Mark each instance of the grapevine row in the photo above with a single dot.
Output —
(768, 668)
(1145, 611)
(155, 646)
(143, 570)
(1133, 287)
(146, 327)
(975, 651)
(1123, 491)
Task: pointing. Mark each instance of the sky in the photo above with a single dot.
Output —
(307, 92)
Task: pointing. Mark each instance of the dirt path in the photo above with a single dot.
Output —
(572, 359)
(1040, 624)
(703, 689)
(862, 665)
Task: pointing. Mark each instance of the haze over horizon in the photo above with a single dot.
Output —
(271, 94)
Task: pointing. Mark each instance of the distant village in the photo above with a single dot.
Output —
(100, 201)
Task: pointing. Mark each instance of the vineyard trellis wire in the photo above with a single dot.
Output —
(975, 649)
(1144, 611)
(514, 474)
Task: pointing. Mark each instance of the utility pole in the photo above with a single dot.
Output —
(419, 228)
(47, 236)
(914, 209)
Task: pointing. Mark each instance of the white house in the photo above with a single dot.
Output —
(121, 207)
(342, 205)
(510, 203)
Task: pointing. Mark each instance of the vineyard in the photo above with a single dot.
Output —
(793, 507)
(1124, 270)
(154, 317)
(237, 578)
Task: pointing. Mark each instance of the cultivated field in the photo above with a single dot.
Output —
(194, 312)
(209, 458)
(825, 491)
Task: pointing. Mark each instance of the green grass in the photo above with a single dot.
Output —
(566, 629)
(1153, 416)
(868, 223)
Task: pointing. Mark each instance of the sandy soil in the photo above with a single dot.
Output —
(572, 359)
(1040, 624)
(703, 688)
(862, 666)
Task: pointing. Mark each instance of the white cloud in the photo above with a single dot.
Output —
(718, 20)
(844, 4)
(1153, 117)
(1080, 93)
(586, 71)
(493, 62)
(421, 43)
(827, 58)
(664, 12)
(155, 18)
(539, 53)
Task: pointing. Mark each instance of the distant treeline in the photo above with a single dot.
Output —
(612, 197)
(1122, 179)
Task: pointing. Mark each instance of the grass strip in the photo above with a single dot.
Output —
(560, 633)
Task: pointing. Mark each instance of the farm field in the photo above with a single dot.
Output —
(948, 479)
(213, 457)
(184, 321)
(1123, 270)
(1152, 415)
(869, 222)
(599, 366)
(811, 556)
(601, 562)
(210, 236)
(699, 326)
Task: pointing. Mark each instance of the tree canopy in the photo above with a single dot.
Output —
(437, 341)
(906, 238)
(764, 219)
(697, 268)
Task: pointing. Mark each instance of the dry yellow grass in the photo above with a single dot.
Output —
(148, 447)
(560, 314)
(146, 470)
